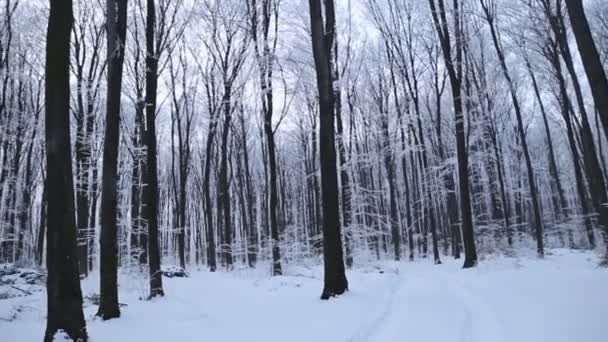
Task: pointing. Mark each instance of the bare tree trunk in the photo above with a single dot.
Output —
(538, 223)
(224, 184)
(553, 57)
(559, 201)
(138, 251)
(63, 285)
(274, 229)
(590, 58)
(93, 215)
(335, 282)
(441, 26)
(116, 11)
(591, 164)
(208, 205)
(252, 232)
(151, 189)
(265, 56)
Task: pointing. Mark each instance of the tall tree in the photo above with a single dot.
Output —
(88, 67)
(381, 96)
(116, 14)
(265, 47)
(489, 9)
(323, 35)
(227, 45)
(593, 171)
(213, 111)
(345, 189)
(64, 297)
(138, 238)
(151, 191)
(454, 67)
(182, 117)
(590, 56)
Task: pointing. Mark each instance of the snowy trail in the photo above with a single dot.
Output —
(433, 307)
(369, 329)
(559, 299)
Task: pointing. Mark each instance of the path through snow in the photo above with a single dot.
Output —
(562, 298)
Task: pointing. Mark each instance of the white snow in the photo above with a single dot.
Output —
(61, 336)
(561, 298)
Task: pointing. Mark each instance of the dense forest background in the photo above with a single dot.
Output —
(208, 133)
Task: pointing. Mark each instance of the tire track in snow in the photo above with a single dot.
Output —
(480, 319)
(407, 293)
(368, 330)
(467, 326)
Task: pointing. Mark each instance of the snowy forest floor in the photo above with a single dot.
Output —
(561, 298)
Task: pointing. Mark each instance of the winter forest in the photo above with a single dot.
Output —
(432, 170)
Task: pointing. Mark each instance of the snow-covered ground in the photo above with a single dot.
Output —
(561, 298)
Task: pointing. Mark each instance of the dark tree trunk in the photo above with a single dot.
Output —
(448, 183)
(274, 229)
(564, 100)
(538, 223)
(224, 184)
(408, 210)
(591, 164)
(82, 207)
(381, 96)
(151, 190)
(335, 282)
(93, 216)
(82, 199)
(208, 205)
(25, 221)
(455, 77)
(264, 53)
(390, 174)
(426, 184)
(181, 212)
(389, 163)
(237, 164)
(252, 231)
(504, 199)
(578, 173)
(64, 297)
(138, 251)
(590, 58)
(416, 228)
(345, 191)
(180, 120)
(116, 11)
(559, 201)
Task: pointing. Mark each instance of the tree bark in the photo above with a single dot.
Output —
(592, 62)
(151, 190)
(116, 14)
(265, 55)
(64, 297)
(208, 205)
(559, 201)
(564, 101)
(335, 282)
(455, 77)
(224, 184)
(538, 223)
